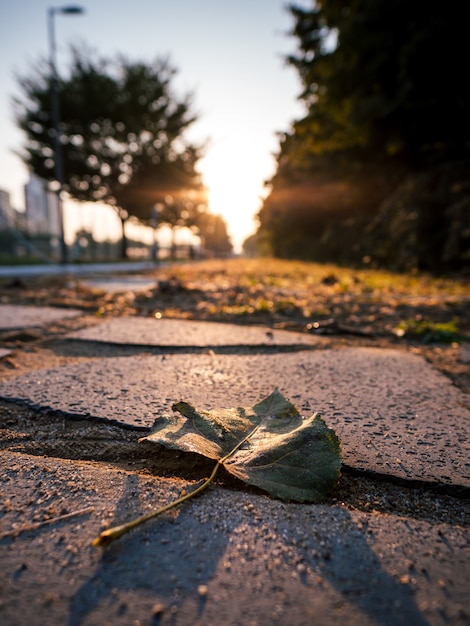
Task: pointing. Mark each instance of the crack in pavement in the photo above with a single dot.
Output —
(52, 433)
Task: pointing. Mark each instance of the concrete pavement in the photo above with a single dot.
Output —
(75, 269)
(395, 555)
(28, 316)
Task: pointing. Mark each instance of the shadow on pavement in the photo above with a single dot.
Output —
(167, 561)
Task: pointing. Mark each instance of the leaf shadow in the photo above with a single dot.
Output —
(341, 554)
(168, 559)
(158, 560)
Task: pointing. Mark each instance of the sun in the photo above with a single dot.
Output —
(235, 187)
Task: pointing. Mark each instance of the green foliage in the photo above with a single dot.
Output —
(379, 74)
(430, 332)
(384, 99)
(425, 223)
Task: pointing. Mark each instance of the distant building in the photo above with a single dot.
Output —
(12, 241)
(20, 221)
(42, 208)
(7, 212)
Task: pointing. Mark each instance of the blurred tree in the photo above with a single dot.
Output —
(122, 132)
(213, 231)
(175, 211)
(251, 246)
(385, 97)
(383, 74)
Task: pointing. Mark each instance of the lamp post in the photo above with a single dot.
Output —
(55, 112)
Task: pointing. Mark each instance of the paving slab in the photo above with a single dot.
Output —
(227, 557)
(178, 333)
(13, 317)
(393, 413)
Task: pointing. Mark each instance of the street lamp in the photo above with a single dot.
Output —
(154, 225)
(55, 110)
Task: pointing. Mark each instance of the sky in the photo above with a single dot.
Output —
(229, 54)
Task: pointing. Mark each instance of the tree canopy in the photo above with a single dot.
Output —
(122, 132)
(214, 235)
(385, 97)
(383, 74)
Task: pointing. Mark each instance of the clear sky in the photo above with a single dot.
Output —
(228, 53)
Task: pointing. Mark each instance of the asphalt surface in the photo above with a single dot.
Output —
(76, 269)
(234, 555)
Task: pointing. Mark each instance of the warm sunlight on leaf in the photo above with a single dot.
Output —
(268, 445)
(290, 457)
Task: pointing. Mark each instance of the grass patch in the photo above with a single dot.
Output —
(297, 275)
(431, 332)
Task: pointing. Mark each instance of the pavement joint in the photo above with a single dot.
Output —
(113, 448)
(389, 546)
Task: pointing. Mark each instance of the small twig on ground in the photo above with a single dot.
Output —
(35, 525)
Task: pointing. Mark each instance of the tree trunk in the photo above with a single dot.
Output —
(173, 243)
(123, 239)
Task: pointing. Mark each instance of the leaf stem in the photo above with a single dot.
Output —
(111, 534)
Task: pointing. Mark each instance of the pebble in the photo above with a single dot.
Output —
(202, 590)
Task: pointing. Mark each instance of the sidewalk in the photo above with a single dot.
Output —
(389, 547)
(77, 269)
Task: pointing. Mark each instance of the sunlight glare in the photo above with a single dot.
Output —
(235, 188)
(234, 179)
